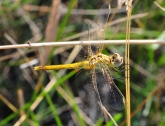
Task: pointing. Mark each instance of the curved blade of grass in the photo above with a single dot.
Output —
(11, 116)
(69, 98)
(35, 121)
(54, 110)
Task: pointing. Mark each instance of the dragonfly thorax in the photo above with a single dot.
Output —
(113, 61)
(98, 58)
(95, 59)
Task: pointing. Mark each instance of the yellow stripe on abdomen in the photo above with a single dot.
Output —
(79, 65)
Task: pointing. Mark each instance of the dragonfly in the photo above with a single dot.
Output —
(94, 81)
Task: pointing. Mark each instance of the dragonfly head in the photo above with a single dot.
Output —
(116, 60)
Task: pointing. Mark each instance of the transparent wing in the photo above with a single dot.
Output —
(87, 34)
(88, 95)
(109, 94)
(94, 30)
(101, 20)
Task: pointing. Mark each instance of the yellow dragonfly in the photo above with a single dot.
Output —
(94, 81)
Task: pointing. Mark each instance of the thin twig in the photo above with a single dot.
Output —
(159, 6)
(73, 43)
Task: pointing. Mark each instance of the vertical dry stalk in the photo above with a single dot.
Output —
(50, 35)
(127, 67)
(51, 29)
(128, 4)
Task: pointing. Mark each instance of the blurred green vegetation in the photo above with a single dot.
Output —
(50, 97)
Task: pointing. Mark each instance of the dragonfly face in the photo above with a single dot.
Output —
(116, 60)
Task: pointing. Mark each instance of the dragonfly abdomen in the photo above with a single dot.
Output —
(78, 65)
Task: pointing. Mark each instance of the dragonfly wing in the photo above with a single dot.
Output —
(94, 30)
(109, 94)
(100, 24)
(88, 95)
(89, 49)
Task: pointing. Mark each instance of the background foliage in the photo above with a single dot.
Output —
(51, 98)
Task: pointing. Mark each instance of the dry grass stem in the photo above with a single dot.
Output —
(73, 43)
(159, 6)
(128, 4)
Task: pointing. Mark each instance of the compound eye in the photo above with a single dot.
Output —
(116, 60)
